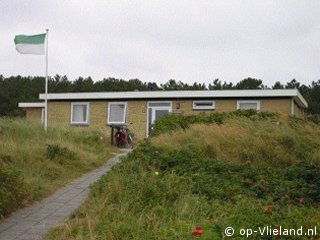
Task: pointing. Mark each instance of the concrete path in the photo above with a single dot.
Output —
(32, 223)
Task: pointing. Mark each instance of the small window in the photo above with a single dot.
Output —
(204, 104)
(159, 104)
(117, 112)
(79, 113)
(248, 104)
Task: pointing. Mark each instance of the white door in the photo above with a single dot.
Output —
(156, 110)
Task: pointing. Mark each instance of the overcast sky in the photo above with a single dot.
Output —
(192, 41)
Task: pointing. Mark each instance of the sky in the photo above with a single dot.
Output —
(154, 41)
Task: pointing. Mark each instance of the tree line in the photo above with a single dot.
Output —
(17, 89)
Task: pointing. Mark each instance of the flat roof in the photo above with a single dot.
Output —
(31, 104)
(251, 93)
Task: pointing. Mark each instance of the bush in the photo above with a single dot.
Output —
(315, 118)
(245, 173)
(55, 151)
(171, 122)
(213, 178)
(12, 189)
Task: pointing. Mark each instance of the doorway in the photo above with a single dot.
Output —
(156, 109)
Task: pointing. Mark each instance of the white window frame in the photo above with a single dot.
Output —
(124, 116)
(157, 107)
(87, 112)
(155, 102)
(194, 105)
(249, 101)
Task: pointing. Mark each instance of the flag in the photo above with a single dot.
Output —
(30, 44)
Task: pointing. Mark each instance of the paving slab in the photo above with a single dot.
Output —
(33, 222)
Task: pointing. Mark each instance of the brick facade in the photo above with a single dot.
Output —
(33, 115)
(59, 112)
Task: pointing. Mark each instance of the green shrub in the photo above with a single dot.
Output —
(7, 159)
(171, 183)
(55, 151)
(223, 180)
(171, 122)
(12, 189)
(288, 142)
(315, 118)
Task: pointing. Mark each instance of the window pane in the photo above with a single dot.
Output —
(116, 113)
(149, 120)
(150, 116)
(205, 104)
(159, 104)
(160, 113)
(79, 113)
(245, 106)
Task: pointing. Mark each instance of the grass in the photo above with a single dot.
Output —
(33, 164)
(245, 172)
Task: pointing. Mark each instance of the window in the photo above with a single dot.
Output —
(248, 104)
(42, 115)
(159, 104)
(79, 113)
(117, 112)
(204, 104)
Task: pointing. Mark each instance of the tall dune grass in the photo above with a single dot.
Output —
(274, 143)
(243, 173)
(24, 160)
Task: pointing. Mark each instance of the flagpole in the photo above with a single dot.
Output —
(46, 85)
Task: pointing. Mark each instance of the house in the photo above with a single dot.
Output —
(99, 110)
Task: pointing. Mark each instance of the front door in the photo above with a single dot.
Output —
(156, 110)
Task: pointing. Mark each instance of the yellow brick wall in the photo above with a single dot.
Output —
(280, 105)
(186, 106)
(98, 116)
(137, 115)
(297, 110)
(59, 112)
(33, 115)
(226, 105)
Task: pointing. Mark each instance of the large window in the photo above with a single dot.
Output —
(248, 104)
(117, 113)
(203, 104)
(79, 113)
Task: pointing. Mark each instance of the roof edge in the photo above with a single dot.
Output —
(233, 93)
(31, 104)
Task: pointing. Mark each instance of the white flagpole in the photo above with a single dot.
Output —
(46, 87)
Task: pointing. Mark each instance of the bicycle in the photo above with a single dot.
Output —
(123, 137)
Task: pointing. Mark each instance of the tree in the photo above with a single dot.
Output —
(216, 85)
(278, 85)
(173, 85)
(17, 89)
(152, 86)
(312, 95)
(293, 84)
(83, 84)
(250, 83)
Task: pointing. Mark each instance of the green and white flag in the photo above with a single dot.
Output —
(30, 44)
